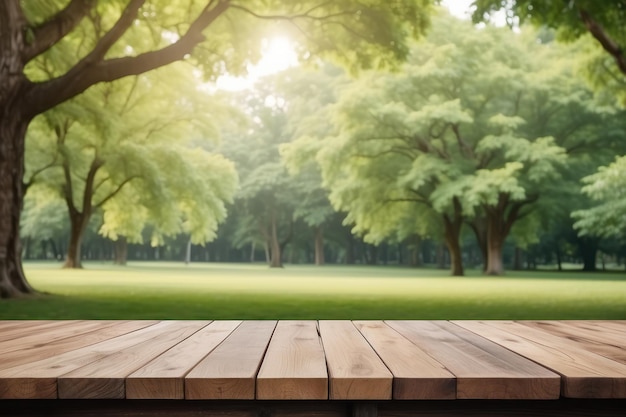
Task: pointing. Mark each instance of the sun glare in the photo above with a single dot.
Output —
(278, 55)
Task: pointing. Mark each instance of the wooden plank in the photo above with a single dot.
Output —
(355, 370)
(163, 378)
(584, 374)
(38, 379)
(105, 378)
(484, 370)
(416, 375)
(48, 349)
(39, 338)
(294, 367)
(25, 328)
(229, 371)
(592, 338)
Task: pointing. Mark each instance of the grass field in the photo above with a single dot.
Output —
(244, 291)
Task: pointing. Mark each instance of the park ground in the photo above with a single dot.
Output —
(254, 291)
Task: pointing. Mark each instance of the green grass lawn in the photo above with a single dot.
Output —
(244, 291)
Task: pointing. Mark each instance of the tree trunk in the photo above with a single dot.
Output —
(559, 262)
(276, 253)
(12, 134)
(495, 244)
(479, 226)
(319, 246)
(588, 248)
(121, 251)
(78, 222)
(454, 248)
(452, 235)
(188, 252)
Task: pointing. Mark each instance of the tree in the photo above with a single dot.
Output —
(309, 96)
(476, 128)
(363, 33)
(121, 154)
(266, 198)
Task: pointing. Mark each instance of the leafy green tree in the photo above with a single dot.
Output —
(476, 128)
(309, 96)
(135, 36)
(266, 198)
(123, 154)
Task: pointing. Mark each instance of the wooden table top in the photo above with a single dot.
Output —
(312, 360)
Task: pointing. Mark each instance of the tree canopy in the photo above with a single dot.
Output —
(130, 37)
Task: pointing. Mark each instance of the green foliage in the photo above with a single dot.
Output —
(580, 19)
(142, 137)
(357, 33)
(607, 189)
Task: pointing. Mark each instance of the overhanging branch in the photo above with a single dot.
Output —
(605, 40)
(44, 96)
(47, 34)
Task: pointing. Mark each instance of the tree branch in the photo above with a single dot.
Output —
(53, 30)
(115, 192)
(605, 40)
(44, 96)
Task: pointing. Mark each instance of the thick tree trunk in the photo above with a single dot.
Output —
(495, 244)
(588, 248)
(454, 248)
(500, 219)
(13, 125)
(319, 246)
(78, 222)
(12, 133)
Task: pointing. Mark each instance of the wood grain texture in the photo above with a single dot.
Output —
(585, 374)
(367, 361)
(42, 350)
(163, 377)
(229, 372)
(38, 379)
(294, 367)
(592, 338)
(104, 378)
(50, 335)
(484, 370)
(18, 329)
(416, 375)
(355, 370)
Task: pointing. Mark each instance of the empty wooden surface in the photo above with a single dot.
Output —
(163, 377)
(584, 374)
(483, 369)
(229, 372)
(355, 370)
(416, 375)
(294, 366)
(311, 360)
